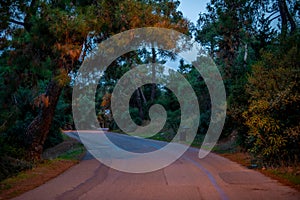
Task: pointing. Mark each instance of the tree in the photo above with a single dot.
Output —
(232, 26)
(160, 13)
(228, 33)
(68, 32)
(257, 59)
(46, 41)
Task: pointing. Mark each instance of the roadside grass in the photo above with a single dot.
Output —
(75, 153)
(161, 137)
(42, 172)
(65, 136)
(166, 137)
(285, 175)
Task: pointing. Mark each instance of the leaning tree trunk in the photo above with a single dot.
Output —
(38, 129)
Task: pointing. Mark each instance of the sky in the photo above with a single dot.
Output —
(192, 8)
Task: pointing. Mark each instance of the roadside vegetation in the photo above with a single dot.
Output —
(56, 160)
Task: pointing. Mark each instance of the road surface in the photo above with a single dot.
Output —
(213, 177)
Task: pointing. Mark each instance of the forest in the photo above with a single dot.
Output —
(255, 45)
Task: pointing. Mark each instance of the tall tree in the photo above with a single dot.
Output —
(48, 40)
(50, 36)
(256, 43)
(232, 26)
(158, 13)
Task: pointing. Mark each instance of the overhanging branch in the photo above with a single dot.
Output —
(17, 22)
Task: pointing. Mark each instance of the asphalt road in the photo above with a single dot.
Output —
(213, 177)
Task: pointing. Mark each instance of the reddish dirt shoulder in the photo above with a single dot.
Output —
(33, 178)
(245, 160)
(41, 173)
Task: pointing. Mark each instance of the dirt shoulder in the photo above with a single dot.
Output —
(56, 160)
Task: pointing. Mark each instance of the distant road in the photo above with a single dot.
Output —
(213, 177)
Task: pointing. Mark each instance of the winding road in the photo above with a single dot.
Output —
(213, 177)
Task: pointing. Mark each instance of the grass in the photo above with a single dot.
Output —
(166, 137)
(161, 137)
(285, 176)
(73, 154)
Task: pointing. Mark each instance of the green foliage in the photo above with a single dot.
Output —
(263, 107)
(199, 86)
(273, 113)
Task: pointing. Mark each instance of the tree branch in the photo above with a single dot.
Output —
(32, 9)
(16, 22)
(274, 18)
(272, 14)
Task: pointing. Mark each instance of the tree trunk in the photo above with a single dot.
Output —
(143, 96)
(285, 18)
(139, 104)
(290, 19)
(38, 129)
(246, 56)
(153, 88)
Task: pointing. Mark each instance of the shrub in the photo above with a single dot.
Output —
(273, 113)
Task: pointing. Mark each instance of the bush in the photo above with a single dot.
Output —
(273, 113)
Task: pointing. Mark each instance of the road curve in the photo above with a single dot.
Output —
(213, 177)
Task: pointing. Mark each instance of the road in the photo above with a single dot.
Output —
(213, 177)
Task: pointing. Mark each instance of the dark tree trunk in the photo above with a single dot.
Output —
(153, 87)
(139, 104)
(290, 19)
(38, 129)
(285, 18)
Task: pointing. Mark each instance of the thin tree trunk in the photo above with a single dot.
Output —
(246, 56)
(139, 104)
(153, 88)
(38, 130)
(143, 96)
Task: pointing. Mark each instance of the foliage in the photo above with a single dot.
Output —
(260, 71)
(273, 113)
(42, 45)
(200, 88)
